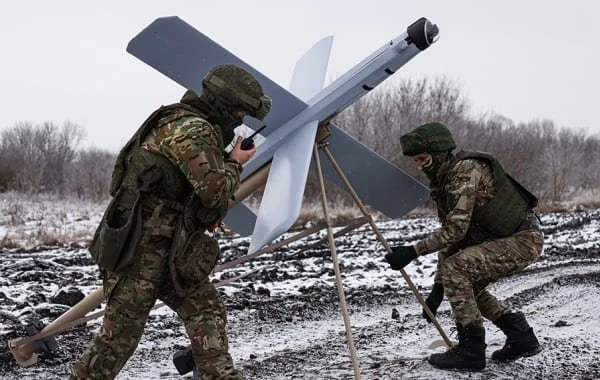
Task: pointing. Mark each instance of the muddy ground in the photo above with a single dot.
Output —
(285, 321)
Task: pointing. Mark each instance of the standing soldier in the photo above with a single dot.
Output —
(171, 184)
(488, 231)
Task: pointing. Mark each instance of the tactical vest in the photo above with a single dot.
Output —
(149, 172)
(503, 214)
(143, 177)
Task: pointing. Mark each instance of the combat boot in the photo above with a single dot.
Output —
(520, 339)
(468, 354)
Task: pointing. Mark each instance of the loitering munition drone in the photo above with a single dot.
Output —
(300, 131)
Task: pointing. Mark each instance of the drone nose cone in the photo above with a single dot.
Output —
(422, 33)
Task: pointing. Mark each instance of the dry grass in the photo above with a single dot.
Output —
(30, 221)
(8, 243)
(580, 201)
(314, 212)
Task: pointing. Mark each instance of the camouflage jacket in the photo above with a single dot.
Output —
(469, 184)
(194, 146)
(477, 200)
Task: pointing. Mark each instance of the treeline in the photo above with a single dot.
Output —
(48, 158)
(555, 163)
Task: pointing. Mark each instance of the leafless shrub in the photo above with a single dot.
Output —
(312, 211)
(14, 211)
(49, 158)
(91, 173)
(37, 156)
(8, 243)
(46, 219)
(554, 163)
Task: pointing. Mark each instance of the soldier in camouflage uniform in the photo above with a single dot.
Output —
(171, 184)
(488, 231)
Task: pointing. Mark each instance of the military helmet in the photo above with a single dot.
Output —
(427, 138)
(237, 87)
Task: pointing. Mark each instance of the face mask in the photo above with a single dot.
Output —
(423, 163)
(222, 115)
(432, 169)
(228, 122)
(431, 172)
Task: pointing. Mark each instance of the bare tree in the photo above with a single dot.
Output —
(518, 147)
(90, 174)
(8, 168)
(589, 173)
(380, 118)
(58, 146)
(551, 162)
(40, 154)
(19, 147)
(564, 154)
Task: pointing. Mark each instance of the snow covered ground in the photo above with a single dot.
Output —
(284, 318)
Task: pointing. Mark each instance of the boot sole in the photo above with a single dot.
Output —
(470, 369)
(526, 354)
(462, 369)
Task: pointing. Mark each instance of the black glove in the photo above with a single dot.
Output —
(434, 300)
(401, 256)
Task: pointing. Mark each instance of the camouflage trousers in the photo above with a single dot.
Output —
(466, 274)
(131, 295)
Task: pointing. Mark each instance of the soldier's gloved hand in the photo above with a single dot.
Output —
(434, 299)
(401, 256)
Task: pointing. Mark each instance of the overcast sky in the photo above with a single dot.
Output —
(66, 60)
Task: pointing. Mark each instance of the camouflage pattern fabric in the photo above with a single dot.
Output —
(427, 138)
(466, 274)
(441, 257)
(470, 185)
(237, 87)
(466, 269)
(195, 148)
